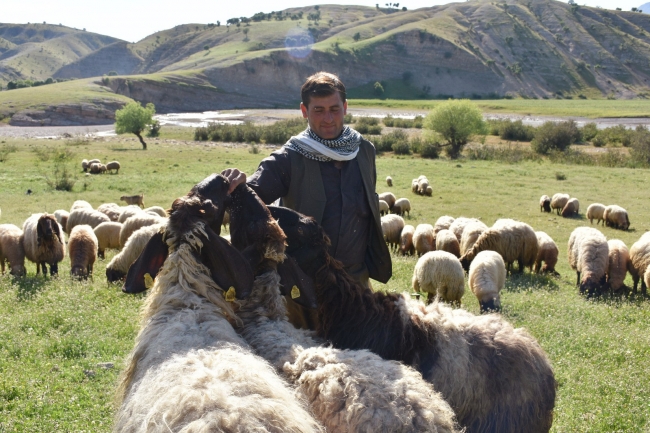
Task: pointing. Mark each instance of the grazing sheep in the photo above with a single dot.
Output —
(402, 206)
(440, 274)
(571, 208)
(383, 208)
(640, 257)
(458, 226)
(82, 249)
(424, 239)
(444, 222)
(134, 199)
(157, 210)
(428, 191)
(112, 210)
(389, 181)
(595, 211)
(84, 165)
(113, 165)
(62, 218)
(514, 240)
(94, 161)
(495, 377)
(86, 216)
(547, 252)
(102, 168)
(137, 222)
(12, 249)
(414, 186)
(389, 198)
(127, 212)
(589, 256)
(80, 204)
(618, 264)
(545, 203)
(108, 236)
(391, 227)
(95, 168)
(446, 241)
(616, 217)
(119, 266)
(487, 277)
(44, 242)
(559, 201)
(423, 184)
(406, 246)
(471, 233)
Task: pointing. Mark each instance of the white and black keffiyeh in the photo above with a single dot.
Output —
(310, 145)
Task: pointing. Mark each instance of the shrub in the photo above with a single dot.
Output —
(455, 121)
(516, 131)
(511, 153)
(640, 148)
(277, 133)
(5, 150)
(154, 129)
(365, 120)
(589, 131)
(134, 118)
(430, 149)
(63, 178)
(391, 121)
(618, 134)
(385, 142)
(599, 140)
(560, 176)
(348, 118)
(401, 148)
(553, 136)
(368, 129)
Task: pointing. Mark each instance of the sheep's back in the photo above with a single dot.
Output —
(86, 216)
(82, 246)
(136, 222)
(487, 275)
(618, 263)
(423, 238)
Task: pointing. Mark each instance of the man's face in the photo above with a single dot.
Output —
(325, 115)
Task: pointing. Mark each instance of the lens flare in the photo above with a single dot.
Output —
(298, 43)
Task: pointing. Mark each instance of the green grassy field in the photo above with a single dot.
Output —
(56, 335)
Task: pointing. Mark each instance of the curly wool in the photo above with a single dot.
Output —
(62, 218)
(547, 252)
(82, 247)
(617, 217)
(487, 277)
(558, 201)
(391, 227)
(471, 233)
(444, 222)
(588, 256)
(640, 257)
(446, 241)
(42, 251)
(618, 263)
(440, 274)
(406, 246)
(86, 216)
(108, 236)
(424, 239)
(112, 210)
(459, 224)
(12, 249)
(135, 223)
(595, 211)
(122, 261)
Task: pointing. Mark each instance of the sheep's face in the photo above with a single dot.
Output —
(592, 286)
(490, 305)
(79, 271)
(18, 270)
(215, 189)
(47, 228)
(113, 276)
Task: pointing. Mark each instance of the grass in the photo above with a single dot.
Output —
(56, 336)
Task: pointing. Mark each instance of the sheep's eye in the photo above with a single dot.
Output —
(300, 232)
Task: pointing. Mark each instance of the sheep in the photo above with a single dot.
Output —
(389, 181)
(545, 203)
(112, 210)
(440, 274)
(446, 241)
(619, 263)
(487, 277)
(95, 168)
(84, 165)
(547, 252)
(108, 236)
(423, 184)
(80, 204)
(471, 233)
(86, 216)
(424, 239)
(82, 249)
(514, 240)
(118, 267)
(616, 217)
(113, 165)
(157, 210)
(571, 208)
(595, 212)
(44, 242)
(402, 206)
(102, 168)
(391, 227)
(640, 257)
(134, 199)
(136, 222)
(62, 218)
(414, 186)
(458, 226)
(444, 222)
(496, 378)
(588, 256)
(383, 208)
(558, 201)
(127, 212)
(348, 391)
(389, 198)
(94, 161)
(12, 249)
(189, 370)
(406, 246)
(428, 191)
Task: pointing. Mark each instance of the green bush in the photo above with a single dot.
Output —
(599, 140)
(385, 142)
(430, 149)
(455, 121)
(394, 122)
(5, 150)
(277, 133)
(365, 120)
(401, 148)
(589, 131)
(617, 135)
(368, 129)
(552, 136)
(516, 131)
(511, 153)
(640, 147)
(154, 129)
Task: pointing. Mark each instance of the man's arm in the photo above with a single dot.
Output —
(273, 176)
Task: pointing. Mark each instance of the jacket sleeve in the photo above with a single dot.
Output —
(273, 176)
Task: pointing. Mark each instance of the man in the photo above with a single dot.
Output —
(328, 172)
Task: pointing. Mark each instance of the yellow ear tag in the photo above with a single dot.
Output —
(230, 294)
(148, 281)
(295, 292)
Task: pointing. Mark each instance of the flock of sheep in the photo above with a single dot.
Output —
(95, 166)
(612, 215)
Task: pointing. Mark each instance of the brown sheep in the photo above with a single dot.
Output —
(547, 253)
(82, 248)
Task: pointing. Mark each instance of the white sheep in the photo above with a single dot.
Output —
(84, 165)
(616, 217)
(108, 236)
(588, 256)
(112, 210)
(571, 208)
(487, 277)
(95, 168)
(82, 250)
(62, 218)
(424, 239)
(86, 216)
(94, 161)
(44, 242)
(414, 186)
(406, 246)
(389, 198)
(440, 274)
(458, 226)
(471, 233)
(136, 222)
(113, 165)
(558, 201)
(157, 210)
(547, 252)
(12, 249)
(391, 228)
(423, 184)
(79, 204)
(127, 212)
(119, 266)
(444, 222)
(595, 211)
(402, 206)
(446, 241)
(545, 203)
(428, 191)
(383, 208)
(389, 181)
(640, 257)
(619, 263)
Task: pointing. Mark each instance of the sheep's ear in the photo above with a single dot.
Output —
(143, 271)
(57, 232)
(229, 269)
(296, 284)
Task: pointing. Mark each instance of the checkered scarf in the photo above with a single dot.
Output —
(310, 145)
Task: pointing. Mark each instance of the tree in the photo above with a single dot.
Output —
(455, 121)
(134, 118)
(378, 89)
(356, 36)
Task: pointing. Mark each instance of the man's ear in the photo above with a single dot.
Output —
(296, 284)
(143, 271)
(304, 110)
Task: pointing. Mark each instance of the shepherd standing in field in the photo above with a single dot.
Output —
(327, 172)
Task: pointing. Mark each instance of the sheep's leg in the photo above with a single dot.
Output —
(100, 254)
(430, 298)
(643, 287)
(635, 279)
(43, 267)
(578, 281)
(54, 269)
(520, 264)
(2, 263)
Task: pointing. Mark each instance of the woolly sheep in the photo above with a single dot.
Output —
(547, 252)
(471, 233)
(157, 210)
(440, 274)
(95, 168)
(82, 249)
(86, 216)
(136, 222)
(618, 264)
(588, 256)
(62, 218)
(423, 184)
(424, 239)
(571, 208)
(118, 267)
(108, 236)
(558, 201)
(80, 204)
(94, 161)
(391, 227)
(111, 210)
(446, 241)
(458, 226)
(113, 165)
(406, 246)
(134, 199)
(84, 165)
(428, 191)
(102, 168)
(595, 211)
(389, 198)
(616, 217)
(640, 257)
(12, 249)
(545, 203)
(44, 242)
(389, 181)
(487, 277)
(414, 186)
(383, 208)
(444, 222)
(127, 212)
(402, 206)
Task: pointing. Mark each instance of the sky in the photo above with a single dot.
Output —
(133, 20)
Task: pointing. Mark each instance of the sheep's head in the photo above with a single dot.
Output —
(214, 188)
(490, 305)
(465, 261)
(80, 272)
(18, 270)
(47, 228)
(591, 285)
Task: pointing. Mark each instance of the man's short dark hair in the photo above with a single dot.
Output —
(321, 84)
